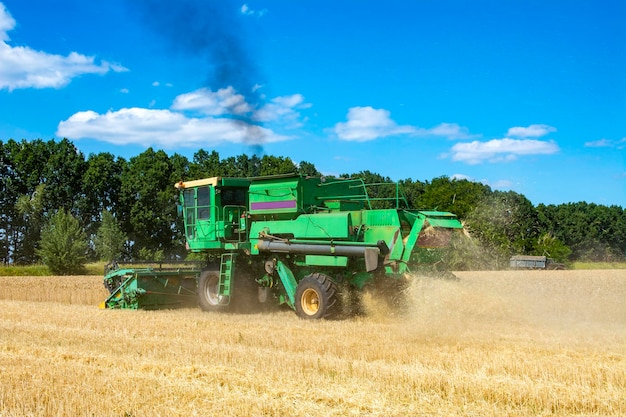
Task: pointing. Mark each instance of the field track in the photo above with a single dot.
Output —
(536, 343)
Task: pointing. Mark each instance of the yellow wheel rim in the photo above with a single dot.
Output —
(310, 302)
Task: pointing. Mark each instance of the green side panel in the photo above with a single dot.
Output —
(325, 226)
(344, 205)
(204, 243)
(322, 260)
(381, 225)
(288, 196)
(276, 196)
(381, 218)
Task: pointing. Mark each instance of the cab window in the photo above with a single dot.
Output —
(203, 203)
(233, 197)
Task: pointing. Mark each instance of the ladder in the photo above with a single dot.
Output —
(227, 273)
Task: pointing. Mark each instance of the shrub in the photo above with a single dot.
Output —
(110, 238)
(63, 245)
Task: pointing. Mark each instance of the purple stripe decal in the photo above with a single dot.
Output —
(273, 205)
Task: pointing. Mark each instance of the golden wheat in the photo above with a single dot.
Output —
(492, 344)
(84, 289)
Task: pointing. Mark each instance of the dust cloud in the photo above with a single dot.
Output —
(571, 305)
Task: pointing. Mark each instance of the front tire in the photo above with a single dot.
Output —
(317, 297)
(209, 298)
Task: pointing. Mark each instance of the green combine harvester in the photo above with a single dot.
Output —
(305, 242)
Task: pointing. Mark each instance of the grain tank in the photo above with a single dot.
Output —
(288, 239)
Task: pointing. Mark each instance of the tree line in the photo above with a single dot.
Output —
(128, 207)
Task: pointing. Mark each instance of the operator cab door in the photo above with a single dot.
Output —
(199, 216)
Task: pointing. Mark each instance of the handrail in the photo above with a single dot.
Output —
(399, 196)
(363, 197)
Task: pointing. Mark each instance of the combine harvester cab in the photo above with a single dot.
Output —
(291, 240)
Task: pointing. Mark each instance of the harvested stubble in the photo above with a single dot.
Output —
(492, 344)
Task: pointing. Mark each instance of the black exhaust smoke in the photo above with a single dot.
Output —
(209, 30)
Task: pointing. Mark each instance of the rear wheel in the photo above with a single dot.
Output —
(317, 297)
(209, 298)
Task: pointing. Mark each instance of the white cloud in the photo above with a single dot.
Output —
(224, 101)
(7, 23)
(162, 128)
(246, 10)
(23, 67)
(201, 118)
(606, 143)
(448, 130)
(499, 150)
(366, 123)
(284, 110)
(602, 143)
(518, 142)
(116, 67)
(227, 101)
(532, 131)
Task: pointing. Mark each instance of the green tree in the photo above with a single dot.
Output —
(62, 174)
(31, 209)
(148, 204)
(273, 165)
(181, 169)
(145, 254)
(413, 191)
(25, 163)
(29, 165)
(100, 190)
(207, 164)
(7, 207)
(249, 166)
(593, 232)
(110, 239)
(548, 245)
(505, 223)
(458, 196)
(63, 245)
(307, 169)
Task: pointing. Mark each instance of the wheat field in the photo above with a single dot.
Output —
(536, 343)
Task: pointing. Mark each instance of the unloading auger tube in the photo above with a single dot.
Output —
(370, 253)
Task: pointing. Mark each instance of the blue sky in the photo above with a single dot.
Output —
(528, 96)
